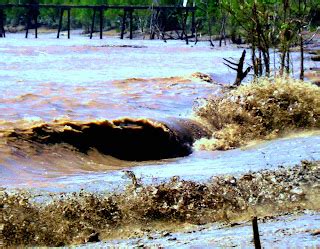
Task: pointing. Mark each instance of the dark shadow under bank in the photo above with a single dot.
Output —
(126, 139)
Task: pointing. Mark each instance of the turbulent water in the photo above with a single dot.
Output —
(61, 83)
(48, 80)
(74, 80)
(75, 113)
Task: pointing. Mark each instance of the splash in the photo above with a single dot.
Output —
(66, 219)
(264, 109)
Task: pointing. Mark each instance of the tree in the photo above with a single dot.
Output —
(270, 24)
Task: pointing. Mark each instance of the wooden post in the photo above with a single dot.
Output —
(32, 15)
(60, 22)
(256, 236)
(131, 23)
(27, 29)
(185, 26)
(123, 23)
(2, 17)
(92, 23)
(28, 22)
(193, 23)
(36, 23)
(101, 21)
(69, 10)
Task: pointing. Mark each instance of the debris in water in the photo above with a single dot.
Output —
(203, 77)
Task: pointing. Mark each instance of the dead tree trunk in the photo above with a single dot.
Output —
(302, 57)
(239, 68)
(262, 40)
(209, 21)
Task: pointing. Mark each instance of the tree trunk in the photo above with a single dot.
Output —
(239, 68)
(288, 62)
(301, 45)
(223, 31)
(282, 63)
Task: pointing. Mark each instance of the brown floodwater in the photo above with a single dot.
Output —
(53, 82)
(77, 114)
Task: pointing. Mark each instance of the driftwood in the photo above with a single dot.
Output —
(239, 68)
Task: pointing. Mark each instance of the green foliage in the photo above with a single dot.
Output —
(80, 18)
(209, 15)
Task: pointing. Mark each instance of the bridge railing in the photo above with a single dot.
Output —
(33, 13)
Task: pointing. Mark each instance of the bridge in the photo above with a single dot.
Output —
(32, 14)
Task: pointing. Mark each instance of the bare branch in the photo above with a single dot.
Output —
(233, 63)
(230, 67)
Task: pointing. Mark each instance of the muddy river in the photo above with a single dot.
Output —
(47, 81)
